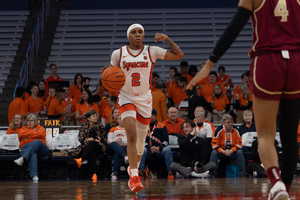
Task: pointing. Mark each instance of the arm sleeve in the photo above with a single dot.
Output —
(236, 25)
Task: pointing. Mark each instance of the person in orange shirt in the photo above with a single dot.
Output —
(17, 105)
(207, 89)
(16, 125)
(51, 97)
(226, 81)
(77, 86)
(236, 92)
(71, 105)
(159, 101)
(173, 90)
(173, 122)
(58, 107)
(112, 103)
(84, 105)
(193, 70)
(85, 86)
(203, 81)
(243, 103)
(154, 80)
(100, 102)
(180, 95)
(32, 139)
(42, 92)
(184, 66)
(34, 104)
(53, 76)
(172, 81)
(218, 105)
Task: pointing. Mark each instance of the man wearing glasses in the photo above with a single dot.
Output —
(227, 144)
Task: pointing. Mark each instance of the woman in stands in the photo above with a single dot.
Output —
(77, 86)
(84, 105)
(16, 124)
(117, 140)
(32, 139)
(135, 99)
(243, 103)
(218, 105)
(42, 92)
(275, 82)
(113, 119)
(92, 137)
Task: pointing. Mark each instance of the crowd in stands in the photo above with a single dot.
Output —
(202, 119)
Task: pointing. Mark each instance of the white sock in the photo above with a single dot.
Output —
(134, 172)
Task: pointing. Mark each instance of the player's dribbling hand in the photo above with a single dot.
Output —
(159, 37)
(103, 68)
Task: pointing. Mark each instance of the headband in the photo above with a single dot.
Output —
(132, 27)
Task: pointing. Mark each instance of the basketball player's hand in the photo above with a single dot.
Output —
(102, 69)
(203, 73)
(159, 37)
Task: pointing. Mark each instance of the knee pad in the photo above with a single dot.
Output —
(142, 131)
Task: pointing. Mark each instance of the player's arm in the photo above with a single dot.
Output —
(175, 53)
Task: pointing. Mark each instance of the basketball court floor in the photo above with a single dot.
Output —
(155, 189)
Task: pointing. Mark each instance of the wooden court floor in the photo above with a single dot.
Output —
(155, 189)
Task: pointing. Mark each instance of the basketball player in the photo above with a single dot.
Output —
(274, 80)
(135, 98)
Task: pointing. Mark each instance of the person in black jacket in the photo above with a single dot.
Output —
(192, 154)
(247, 127)
(156, 144)
(194, 101)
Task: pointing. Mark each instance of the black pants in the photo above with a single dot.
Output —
(89, 153)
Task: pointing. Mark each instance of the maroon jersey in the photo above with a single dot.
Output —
(276, 26)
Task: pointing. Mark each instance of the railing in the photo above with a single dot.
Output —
(33, 47)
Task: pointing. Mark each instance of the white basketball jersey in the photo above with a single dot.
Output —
(138, 70)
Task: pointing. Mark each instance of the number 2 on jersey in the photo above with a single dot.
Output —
(281, 11)
(135, 79)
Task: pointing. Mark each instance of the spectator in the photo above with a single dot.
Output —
(172, 81)
(244, 102)
(113, 120)
(201, 109)
(34, 104)
(16, 124)
(218, 105)
(32, 139)
(155, 78)
(226, 81)
(192, 154)
(17, 105)
(184, 66)
(71, 105)
(159, 103)
(207, 89)
(112, 103)
(84, 105)
(193, 70)
(92, 138)
(205, 131)
(204, 81)
(58, 107)
(51, 96)
(194, 101)
(42, 92)
(42, 115)
(28, 90)
(181, 96)
(85, 85)
(102, 103)
(248, 126)
(236, 92)
(117, 140)
(72, 82)
(227, 144)
(173, 90)
(156, 145)
(53, 76)
(173, 122)
(78, 82)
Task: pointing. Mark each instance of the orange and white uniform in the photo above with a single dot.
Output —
(135, 98)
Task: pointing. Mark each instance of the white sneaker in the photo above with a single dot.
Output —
(35, 178)
(200, 175)
(126, 161)
(19, 161)
(113, 178)
(278, 192)
(84, 162)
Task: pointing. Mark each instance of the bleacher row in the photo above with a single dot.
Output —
(11, 29)
(85, 39)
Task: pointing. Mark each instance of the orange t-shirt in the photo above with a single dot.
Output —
(102, 106)
(50, 78)
(219, 104)
(106, 114)
(222, 80)
(10, 131)
(27, 135)
(207, 90)
(32, 105)
(27, 96)
(188, 77)
(73, 89)
(77, 95)
(56, 108)
(173, 89)
(174, 128)
(83, 108)
(179, 96)
(168, 84)
(49, 100)
(15, 107)
(204, 81)
(243, 100)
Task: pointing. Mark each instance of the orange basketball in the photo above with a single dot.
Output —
(113, 78)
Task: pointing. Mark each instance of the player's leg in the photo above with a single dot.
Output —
(130, 128)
